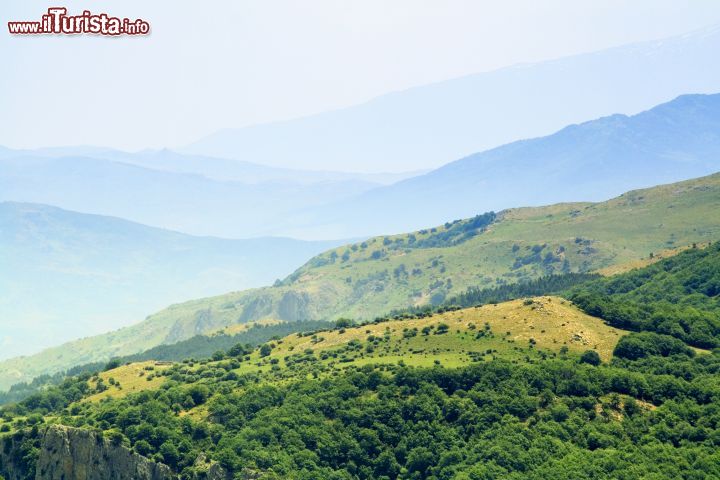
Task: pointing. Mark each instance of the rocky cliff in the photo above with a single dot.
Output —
(66, 453)
(73, 453)
(58, 452)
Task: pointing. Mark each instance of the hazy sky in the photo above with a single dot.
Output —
(213, 65)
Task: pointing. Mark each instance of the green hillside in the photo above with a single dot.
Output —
(370, 278)
(532, 328)
(530, 388)
(679, 297)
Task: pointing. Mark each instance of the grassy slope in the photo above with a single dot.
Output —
(506, 328)
(619, 268)
(588, 236)
(503, 330)
(616, 232)
(127, 379)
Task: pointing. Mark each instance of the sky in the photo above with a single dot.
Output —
(207, 66)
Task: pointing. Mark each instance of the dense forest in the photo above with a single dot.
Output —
(653, 411)
(555, 419)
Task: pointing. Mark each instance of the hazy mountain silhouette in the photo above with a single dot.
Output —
(66, 275)
(428, 126)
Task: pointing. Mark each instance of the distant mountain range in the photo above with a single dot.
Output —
(186, 202)
(220, 169)
(199, 195)
(191, 194)
(65, 275)
(428, 126)
(591, 161)
(251, 182)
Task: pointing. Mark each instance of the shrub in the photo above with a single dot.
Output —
(590, 357)
(644, 344)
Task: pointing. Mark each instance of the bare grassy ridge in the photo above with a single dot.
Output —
(512, 330)
(509, 328)
(653, 257)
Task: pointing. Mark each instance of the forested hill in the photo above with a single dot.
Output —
(678, 296)
(532, 388)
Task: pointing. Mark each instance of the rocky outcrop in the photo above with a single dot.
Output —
(294, 306)
(73, 453)
(209, 470)
(259, 307)
(66, 453)
(216, 472)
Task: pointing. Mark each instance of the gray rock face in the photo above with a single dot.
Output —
(67, 453)
(72, 453)
(216, 472)
(294, 306)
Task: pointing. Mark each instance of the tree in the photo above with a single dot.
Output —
(113, 363)
(115, 437)
(142, 447)
(590, 357)
(644, 344)
(199, 394)
(343, 323)
(238, 350)
(419, 460)
(386, 465)
(170, 454)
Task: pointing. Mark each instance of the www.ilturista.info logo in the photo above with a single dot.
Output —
(57, 21)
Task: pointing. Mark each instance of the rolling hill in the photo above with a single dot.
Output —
(66, 275)
(368, 279)
(537, 326)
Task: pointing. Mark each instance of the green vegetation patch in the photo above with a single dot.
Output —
(678, 296)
